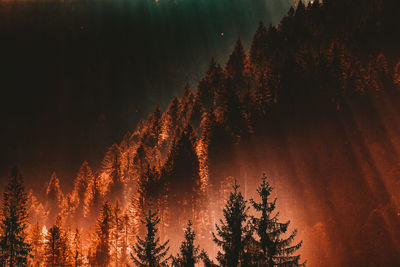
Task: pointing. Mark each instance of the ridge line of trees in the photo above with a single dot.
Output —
(244, 240)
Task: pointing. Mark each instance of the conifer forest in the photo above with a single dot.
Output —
(200, 133)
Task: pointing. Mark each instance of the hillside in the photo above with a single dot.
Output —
(313, 103)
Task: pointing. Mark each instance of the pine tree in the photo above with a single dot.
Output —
(181, 176)
(273, 250)
(77, 257)
(14, 247)
(37, 243)
(183, 164)
(218, 144)
(57, 251)
(189, 253)
(205, 91)
(149, 252)
(236, 62)
(257, 49)
(148, 191)
(232, 114)
(103, 236)
(234, 232)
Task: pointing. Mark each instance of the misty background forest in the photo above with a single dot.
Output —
(311, 101)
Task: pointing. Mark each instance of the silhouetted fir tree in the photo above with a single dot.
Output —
(180, 176)
(149, 189)
(36, 241)
(148, 252)
(300, 9)
(236, 62)
(189, 253)
(235, 68)
(273, 249)
(77, 256)
(103, 236)
(232, 114)
(57, 251)
(182, 163)
(215, 82)
(205, 91)
(234, 231)
(258, 48)
(218, 143)
(13, 243)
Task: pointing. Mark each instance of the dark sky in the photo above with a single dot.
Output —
(76, 76)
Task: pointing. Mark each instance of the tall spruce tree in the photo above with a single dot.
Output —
(103, 235)
(234, 232)
(149, 252)
(257, 49)
(273, 249)
(57, 250)
(14, 247)
(189, 253)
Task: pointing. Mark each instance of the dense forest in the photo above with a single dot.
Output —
(313, 103)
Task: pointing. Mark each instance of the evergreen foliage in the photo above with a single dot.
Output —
(14, 246)
(57, 250)
(234, 231)
(149, 252)
(101, 255)
(273, 249)
(189, 253)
